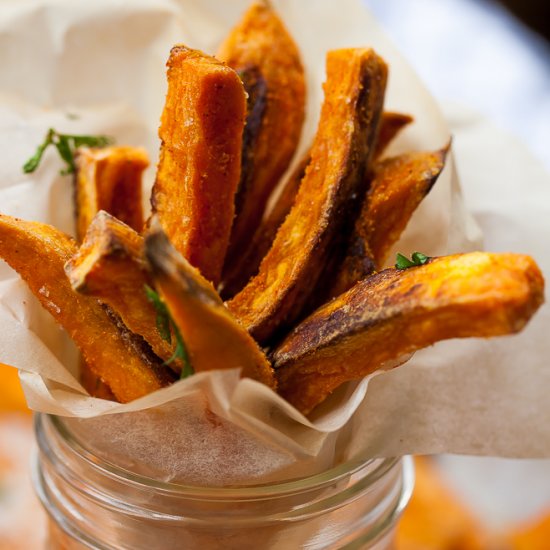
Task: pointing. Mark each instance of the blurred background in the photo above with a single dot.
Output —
(485, 57)
(493, 57)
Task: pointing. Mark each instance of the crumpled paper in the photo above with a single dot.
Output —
(100, 68)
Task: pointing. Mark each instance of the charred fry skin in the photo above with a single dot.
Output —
(201, 133)
(247, 265)
(390, 125)
(213, 338)
(394, 313)
(398, 186)
(38, 252)
(261, 49)
(110, 265)
(326, 202)
(109, 179)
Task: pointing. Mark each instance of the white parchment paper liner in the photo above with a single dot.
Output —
(99, 68)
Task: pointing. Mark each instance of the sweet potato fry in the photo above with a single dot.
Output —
(435, 518)
(398, 186)
(390, 125)
(109, 179)
(326, 205)
(123, 360)
(201, 132)
(261, 49)
(532, 535)
(111, 266)
(93, 384)
(247, 264)
(213, 338)
(397, 312)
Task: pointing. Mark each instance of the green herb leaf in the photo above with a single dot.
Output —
(66, 144)
(163, 316)
(166, 327)
(32, 164)
(64, 149)
(91, 141)
(417, 259)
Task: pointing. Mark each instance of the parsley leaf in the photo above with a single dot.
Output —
(417, 259)
(166, 327)
(163, 317)
(65, 145)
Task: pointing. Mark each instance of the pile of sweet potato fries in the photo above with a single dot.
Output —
(292, 294)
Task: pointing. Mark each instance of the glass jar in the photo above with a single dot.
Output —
(95, 504)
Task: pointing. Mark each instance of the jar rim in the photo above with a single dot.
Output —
(378, 467)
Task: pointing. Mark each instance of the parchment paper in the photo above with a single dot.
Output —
(99, 68)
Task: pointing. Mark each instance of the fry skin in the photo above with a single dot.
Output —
(263, 52)
(201, 134)
(110, 265)
(327, 200)
(398, 186)
(390, 125)
(122, 360)
(396, 312)
(109, 178)
(213, 338)
(247, 264)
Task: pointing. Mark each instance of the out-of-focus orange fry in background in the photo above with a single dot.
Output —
(11, 394)
(534, 535)
(435, 519)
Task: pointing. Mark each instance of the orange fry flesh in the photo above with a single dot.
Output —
(260, 45)
(110, 266)
(213, 338)
(38, 252)
(399, 185)
(397, 312)
(198, 172)
(247, 264)
(109, 179)
(326, 201)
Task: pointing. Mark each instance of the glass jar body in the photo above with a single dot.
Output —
(94, 504)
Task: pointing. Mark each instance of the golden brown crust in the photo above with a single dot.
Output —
(110, 265)
(213, 338)
(260, 45)
(247, 264)
(109, 179)
(93, 384)
(38, 253)
(398, 186)
(390, 125)
(199, 167)
(394, 313)
(327, 199)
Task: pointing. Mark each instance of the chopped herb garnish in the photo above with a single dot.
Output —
(417, 258)
(65, 145)
(166, 327)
